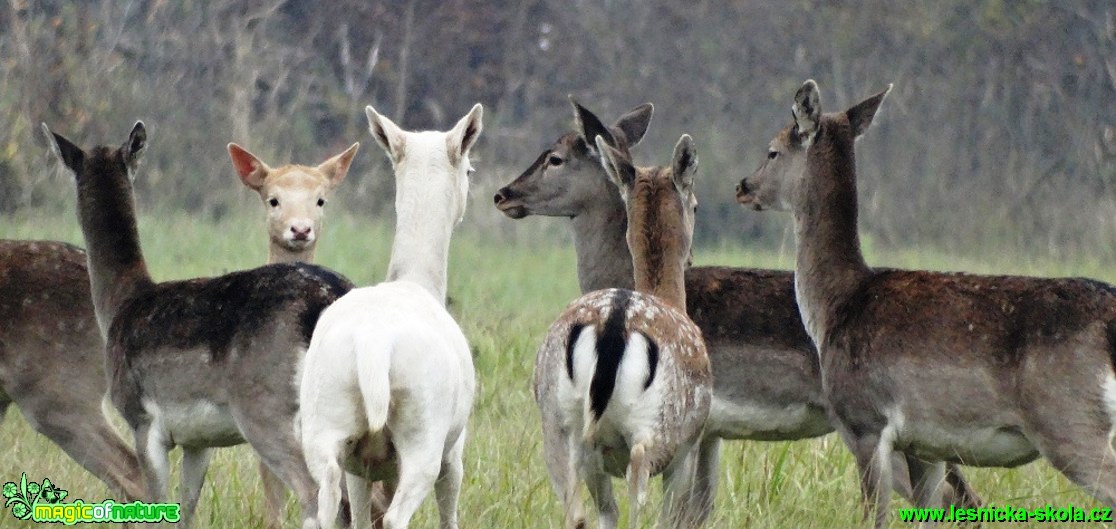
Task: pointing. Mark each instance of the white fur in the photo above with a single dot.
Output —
(388, 364)
(740, 421)
(1109, 389)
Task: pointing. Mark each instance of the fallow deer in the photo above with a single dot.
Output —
(622, 379)
(978, 370)
(294, 197)
(767, 386)
(200, 363)
(388, 382)
(52, 363)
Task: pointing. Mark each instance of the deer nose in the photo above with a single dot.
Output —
(500, 196)
(742, 187)
(301, 233)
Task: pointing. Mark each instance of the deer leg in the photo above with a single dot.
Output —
(448, 487)
(195, 463)
(926, 479)
(380, 498)
(562, 456)
(1087, 459)
(151, 451)
(600, 488)
(360, 500)
(419, 463)
(274, 441)
(873, 460)
(681, 507)
(706, 474)
(275, 497)
(961, 495)
(84, 433)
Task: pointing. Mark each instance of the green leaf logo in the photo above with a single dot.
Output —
(51, 493)
(18, 499)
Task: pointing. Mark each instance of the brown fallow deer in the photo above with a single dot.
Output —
(52, 363)
(766, 385)
(622, 378)
(987, 371)
(200, 363)
(294, 198)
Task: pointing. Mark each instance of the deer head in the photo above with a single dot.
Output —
(778, 182)
(294, 196)
(567, 179)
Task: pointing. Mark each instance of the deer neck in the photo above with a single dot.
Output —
(420, 250)
(603, 258)
(662, 280)
(829, 265)
(277, 253)
(116, 265)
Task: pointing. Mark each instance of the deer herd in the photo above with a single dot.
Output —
(364, 394)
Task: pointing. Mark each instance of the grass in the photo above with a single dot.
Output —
(505, 294)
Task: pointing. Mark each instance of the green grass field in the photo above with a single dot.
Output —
(505, 294)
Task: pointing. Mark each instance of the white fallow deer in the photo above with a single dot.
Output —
(52, 362)
(294, 197)
(622, 379)
(979, 370)
(388, 382)
(200, 363)
(768, 386)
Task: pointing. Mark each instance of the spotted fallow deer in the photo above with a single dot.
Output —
(200, 363)
(294, 197)
(52, 360)
(622, 379)
(388, 382)
(767, 385)
(979, 370)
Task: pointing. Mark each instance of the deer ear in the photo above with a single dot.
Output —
(616, 164)
(134, 148)
(589, 126)
(684, 164)
(251, 170)
(464, 134)
(634, 124)
(392, 138)
(337, 167)
(69, 154)
(861, 115)
(807, 112)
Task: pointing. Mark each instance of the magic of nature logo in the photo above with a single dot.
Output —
(44, 503)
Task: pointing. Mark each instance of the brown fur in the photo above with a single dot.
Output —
(932, 364)
(757, 345)
(655, 238)
(52, 360)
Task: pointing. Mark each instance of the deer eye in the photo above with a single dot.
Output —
(771, 155)
(555, 160)
(273, 202)
(469, 172)
(321, 202)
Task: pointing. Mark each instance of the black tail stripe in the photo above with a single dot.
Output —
(610, 350)
(652, 359)
(575, 333)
